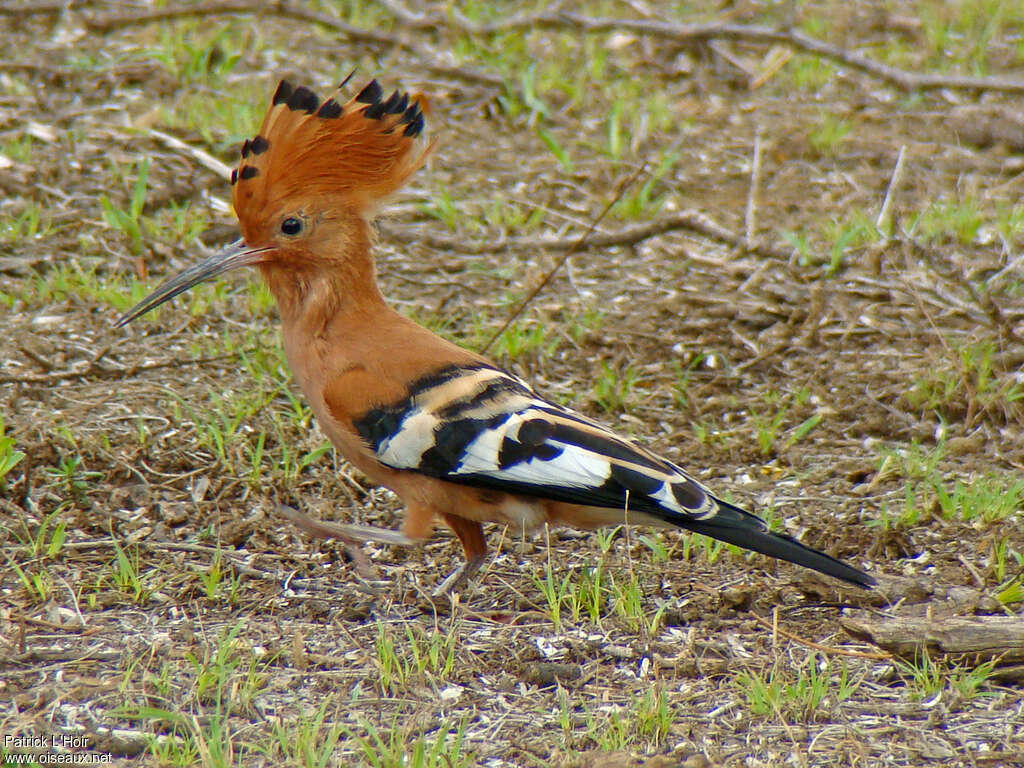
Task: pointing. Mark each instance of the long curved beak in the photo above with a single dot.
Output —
(238, 254)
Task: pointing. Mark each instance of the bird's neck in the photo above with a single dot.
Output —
(332, 318)
(329, 308)
(312, 296)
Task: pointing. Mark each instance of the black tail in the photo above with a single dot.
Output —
(735, 526)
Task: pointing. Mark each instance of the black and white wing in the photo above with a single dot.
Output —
(478, 425)
(482, 426)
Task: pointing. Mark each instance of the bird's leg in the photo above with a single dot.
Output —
(471, 534)
(351, 536)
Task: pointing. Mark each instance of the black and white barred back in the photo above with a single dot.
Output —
(478, 425)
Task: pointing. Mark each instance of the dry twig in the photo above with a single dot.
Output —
(549, 19)
(297, 12)
(755, 185)
(691, 221)
(690, 33)
(93, 370)
(883, 220)
(827, 649)
(565, 257)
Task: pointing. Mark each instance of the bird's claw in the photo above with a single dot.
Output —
(457, 578)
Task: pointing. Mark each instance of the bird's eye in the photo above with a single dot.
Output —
(291, 226)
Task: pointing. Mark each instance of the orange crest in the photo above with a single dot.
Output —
(355, 153)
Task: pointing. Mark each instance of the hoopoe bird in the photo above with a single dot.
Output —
(457, 438)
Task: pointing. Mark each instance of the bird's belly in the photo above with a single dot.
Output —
(520, 514)
(588, 518)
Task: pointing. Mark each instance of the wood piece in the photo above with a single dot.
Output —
(987, 637)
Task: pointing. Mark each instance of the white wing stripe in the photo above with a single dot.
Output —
(574, 466)
(415, 436)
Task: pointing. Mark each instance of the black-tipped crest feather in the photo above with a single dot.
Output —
(348, 150)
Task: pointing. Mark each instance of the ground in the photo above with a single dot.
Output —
(812, 296)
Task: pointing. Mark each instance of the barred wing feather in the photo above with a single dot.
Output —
(484, 427)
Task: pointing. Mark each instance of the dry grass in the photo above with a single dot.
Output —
(858, 383)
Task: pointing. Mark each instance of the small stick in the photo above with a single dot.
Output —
(205, 159)
(890, 192)
(755, 185)
(626, 534)
(978, 580)
(92, 370)
(565, 256)
(46, 365)
(549, 19)
(775, 629)
(688, 221)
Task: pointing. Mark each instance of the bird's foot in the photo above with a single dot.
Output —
(458, 577)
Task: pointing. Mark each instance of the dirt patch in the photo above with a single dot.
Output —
(855, 377)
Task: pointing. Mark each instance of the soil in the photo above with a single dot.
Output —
(840, 397)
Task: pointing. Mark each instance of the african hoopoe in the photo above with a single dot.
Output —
(456, 437)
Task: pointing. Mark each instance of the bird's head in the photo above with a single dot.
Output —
(309, 181)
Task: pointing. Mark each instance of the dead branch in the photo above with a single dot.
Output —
(565, 257)
(1000, 638)
(93, 370)
(297, 12)
(754, 190)
(829, 650)
(690, 33)
(104, 22)
(204, 159)
(883, 221)
(692, 221)
(38, 9)
(954, 276)
(549, 19)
